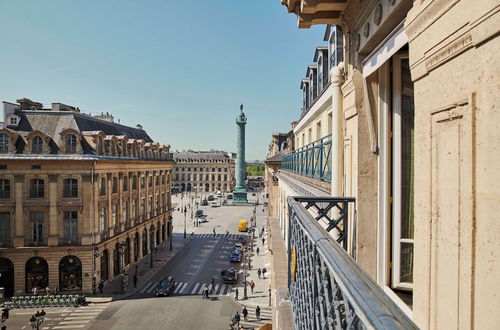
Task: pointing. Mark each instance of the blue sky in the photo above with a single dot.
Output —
(180, 68)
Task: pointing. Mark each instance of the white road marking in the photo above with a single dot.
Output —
(195, 287)
(150, 289)
(216, 288)
(183, 287)
(201, 288)
(178, 287)
(69, 326)
(146, 287)
(87, 314)
(79, 317)
(74, 321)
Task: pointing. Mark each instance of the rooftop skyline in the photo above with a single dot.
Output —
(180, 69)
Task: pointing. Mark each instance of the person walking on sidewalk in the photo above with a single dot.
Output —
(135, 281)
(245, 314)
(205, 292)
(252, 285)
(259, 272)
(263, 240)
(257, 313)
(257, 250)
(237, 318)
(214, 231)
(264, 270)
(101, 286)
(236, 294)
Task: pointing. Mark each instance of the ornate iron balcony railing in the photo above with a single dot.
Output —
(312, 160)
(328, 290)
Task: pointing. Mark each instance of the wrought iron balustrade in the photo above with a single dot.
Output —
(312, 160)
(327, 288)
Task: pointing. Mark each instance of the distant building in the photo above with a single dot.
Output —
(204, 171)
(81, 198)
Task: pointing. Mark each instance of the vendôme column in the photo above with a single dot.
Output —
(240, 192)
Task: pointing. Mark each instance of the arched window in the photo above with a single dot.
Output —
(70, 274)
(37, 274)
(70, 143)
(144, 242)
(4, 142)
(104, 265)
(37, 145)
(7, 278)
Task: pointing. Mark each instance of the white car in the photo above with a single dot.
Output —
(214, 204)
(202, 219)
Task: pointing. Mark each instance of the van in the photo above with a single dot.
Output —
(243, 225)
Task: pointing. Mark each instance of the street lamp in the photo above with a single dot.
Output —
(245, 276)
(185, 211)
(94, 275)
(171, 231)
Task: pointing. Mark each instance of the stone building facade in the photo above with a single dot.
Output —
(204, 171)
(415, 140)
(82, 199)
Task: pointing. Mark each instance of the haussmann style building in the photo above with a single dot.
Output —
(203, 171)
(82, 198)
(396, 156)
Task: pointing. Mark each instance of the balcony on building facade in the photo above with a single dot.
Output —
(327, 288)
(312, 160)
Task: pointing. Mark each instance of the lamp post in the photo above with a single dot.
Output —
(245, 287)
(171, 233)
(185, 211)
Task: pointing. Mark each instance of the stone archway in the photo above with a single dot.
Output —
(105, 265)
(188, 188)
(70, 274)
(7, 276)
(37, 274)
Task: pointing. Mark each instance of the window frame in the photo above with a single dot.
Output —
(70, 227)
(72, 190)
(70, 146)
(5, 182)
(37, 185)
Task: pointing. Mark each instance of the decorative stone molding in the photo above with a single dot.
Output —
(377, 14)
(366, 29)
(450, 51)
(19, 178)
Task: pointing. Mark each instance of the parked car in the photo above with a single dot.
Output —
(210, 198)
(238, 246)
(231, 276)
(165, 287)
(230, 196)
(202, 219)
(242, 240)
(214, 204)
(198, 213)
(204, 202)
(235, 256)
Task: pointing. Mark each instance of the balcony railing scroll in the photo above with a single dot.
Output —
(328, 289)
(312, 160)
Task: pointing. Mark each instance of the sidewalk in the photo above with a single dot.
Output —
(143, 270)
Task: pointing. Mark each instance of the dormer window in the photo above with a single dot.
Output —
(13, 121)
(4, 142)
(37, 144)
(70, 143)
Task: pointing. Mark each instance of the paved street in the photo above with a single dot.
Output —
(200, 259)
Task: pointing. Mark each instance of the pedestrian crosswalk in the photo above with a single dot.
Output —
(266, 316)
(78, 318)
(230, 236)
(187, 288)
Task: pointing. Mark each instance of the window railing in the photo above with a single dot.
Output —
(312, 160)
(327, 288)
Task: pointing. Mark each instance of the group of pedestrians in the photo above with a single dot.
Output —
(262, 272)
(237, 318)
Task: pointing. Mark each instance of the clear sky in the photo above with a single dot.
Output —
(180, 68)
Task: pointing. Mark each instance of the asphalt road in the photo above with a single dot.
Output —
(194, 266)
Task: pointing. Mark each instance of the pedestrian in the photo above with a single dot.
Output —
(259, 272)
(236, 294)
(257, 250)
(205, 292)
(35, 291)
(135, 281)
(56, 290)
(252, 285)
(213, 284)
(263, 240)
(237, 318)
(47, 290)
(101, 286)
(245, 314)
(264, 270)
(227, 232)
(214, 231)
(257, 313)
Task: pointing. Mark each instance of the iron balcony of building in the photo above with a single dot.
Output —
(327, 288)
(312, 160)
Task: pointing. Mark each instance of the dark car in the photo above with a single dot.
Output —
(235, 256)
(165, 287)
(242, 240)
(198, 213)
(204, 202)
(230, 276)
(210, 198)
